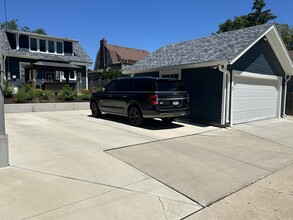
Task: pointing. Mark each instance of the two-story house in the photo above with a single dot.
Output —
(45, 61)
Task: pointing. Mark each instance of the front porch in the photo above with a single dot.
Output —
(53, 75)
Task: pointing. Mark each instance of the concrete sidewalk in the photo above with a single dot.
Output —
(67, 165)
(270, 198)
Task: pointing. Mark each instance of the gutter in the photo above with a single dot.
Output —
(285, 95)
(225, 118)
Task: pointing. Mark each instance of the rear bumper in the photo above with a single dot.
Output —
(166, 113)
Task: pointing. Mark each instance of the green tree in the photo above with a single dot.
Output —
(26, 29)
(40, 31)
(257, 17)
(111, 74)
(14, 26)
(10, 24)
(286, 32)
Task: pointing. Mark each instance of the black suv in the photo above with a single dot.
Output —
(140, 98)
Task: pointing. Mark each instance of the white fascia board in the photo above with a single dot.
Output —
(250, 46)
(186, 66)
(280, 50)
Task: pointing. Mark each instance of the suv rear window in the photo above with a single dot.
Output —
(143, 85)
(167, 85)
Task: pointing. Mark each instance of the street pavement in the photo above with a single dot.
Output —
(68, 165)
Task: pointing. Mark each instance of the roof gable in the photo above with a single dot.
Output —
(224, 47)
(126, 53)
(80, 56)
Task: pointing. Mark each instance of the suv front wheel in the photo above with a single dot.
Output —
(135, 116)
(95, 110)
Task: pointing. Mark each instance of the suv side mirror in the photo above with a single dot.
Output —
(103, 89)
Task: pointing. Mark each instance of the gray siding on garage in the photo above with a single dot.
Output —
(259, 59)
(204, 86)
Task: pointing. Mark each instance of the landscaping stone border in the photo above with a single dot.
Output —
(45, 107)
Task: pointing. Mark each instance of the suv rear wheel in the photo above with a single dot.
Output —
(135, 116)
(95, 110)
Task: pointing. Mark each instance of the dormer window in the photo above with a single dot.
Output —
(46, 46)
(59, 47)
(43, 46)
(34, 45)
(51, 46)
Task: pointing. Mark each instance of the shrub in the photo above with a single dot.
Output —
(38, 93)
(85, 97)
(48, 95)
(67, 93)
(27, 88)
(8, 90)
(21, 96)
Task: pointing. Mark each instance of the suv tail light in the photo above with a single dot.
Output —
(154, 99)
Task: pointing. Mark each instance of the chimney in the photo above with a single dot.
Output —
(103, 42)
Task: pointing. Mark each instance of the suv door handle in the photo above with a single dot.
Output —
(109, 96)
(125, 96)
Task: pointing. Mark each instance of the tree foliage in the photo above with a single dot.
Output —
(111, 74)
(286, 32)
(257, 17)
(14, 26)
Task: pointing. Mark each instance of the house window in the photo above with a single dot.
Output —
(59, 47)
(33, 44)
(22, 70)
(171, 74)
(50, 77)
(51, 46)
(43, 46)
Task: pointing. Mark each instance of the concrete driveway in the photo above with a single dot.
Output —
(67, 165)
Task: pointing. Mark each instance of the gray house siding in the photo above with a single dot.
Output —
(260, 59)
(204, 86)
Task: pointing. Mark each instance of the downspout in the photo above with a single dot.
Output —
(226, 83)
(285, 95)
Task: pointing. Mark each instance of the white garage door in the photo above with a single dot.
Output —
(255, 97)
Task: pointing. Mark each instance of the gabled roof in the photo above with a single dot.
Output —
(223, 48)
(117, 53)
(80, 57)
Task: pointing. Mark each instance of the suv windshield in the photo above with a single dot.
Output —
(168, 85)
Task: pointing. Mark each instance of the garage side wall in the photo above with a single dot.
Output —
(204, 86)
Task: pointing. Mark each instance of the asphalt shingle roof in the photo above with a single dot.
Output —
(80, 55)
(217, 47)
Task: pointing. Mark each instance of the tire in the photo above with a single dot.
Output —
(168, 120)
(95, 110)
(135, 116)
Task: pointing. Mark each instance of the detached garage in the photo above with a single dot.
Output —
(232, 77)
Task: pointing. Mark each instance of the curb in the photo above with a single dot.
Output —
(45, 107)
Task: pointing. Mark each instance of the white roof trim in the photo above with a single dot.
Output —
(186, 66)
(250, 46)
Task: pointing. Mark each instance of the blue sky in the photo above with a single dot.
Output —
(142, 24)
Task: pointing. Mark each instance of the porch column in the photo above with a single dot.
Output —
(78, 82)
(66, 75)
(34, 79)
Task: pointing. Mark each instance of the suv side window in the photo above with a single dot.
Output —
(112, 86)
(125, 85)
(143, 85)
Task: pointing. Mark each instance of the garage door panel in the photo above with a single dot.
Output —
(254, 98)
